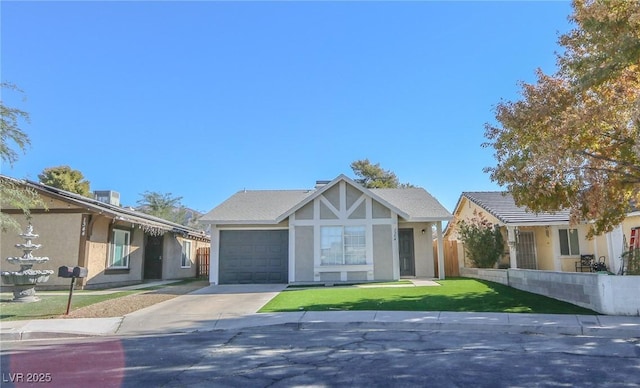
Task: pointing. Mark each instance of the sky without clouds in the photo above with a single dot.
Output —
(202, 99)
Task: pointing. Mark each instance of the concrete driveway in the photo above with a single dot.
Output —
(202, 308)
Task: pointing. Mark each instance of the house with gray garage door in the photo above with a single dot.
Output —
(337, 232)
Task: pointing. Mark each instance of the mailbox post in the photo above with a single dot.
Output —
(73, 273)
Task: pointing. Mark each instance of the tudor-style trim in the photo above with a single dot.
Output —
(441, 269)
(292, 249)
(341, 178)
(214, 256)
(342, 212)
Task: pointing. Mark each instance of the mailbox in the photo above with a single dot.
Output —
(80, 272)
(65, 272)
(72, 272)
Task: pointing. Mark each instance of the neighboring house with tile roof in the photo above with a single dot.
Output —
(118, 245)
(339, 231)
(544, 241)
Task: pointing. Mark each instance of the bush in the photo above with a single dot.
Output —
(482, 240)
(632, 259)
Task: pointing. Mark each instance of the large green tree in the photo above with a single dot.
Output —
(66, 178)
(372, 176)
(12, 140)
(163, 205)
(573, 140)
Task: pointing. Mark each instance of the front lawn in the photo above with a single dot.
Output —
(452, 295)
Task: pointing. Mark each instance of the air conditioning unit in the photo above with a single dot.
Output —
(108, 196)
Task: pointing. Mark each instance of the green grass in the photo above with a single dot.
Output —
(345, 284)
(453, 295)
(50, 306)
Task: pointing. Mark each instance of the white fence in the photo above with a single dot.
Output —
(606, 294)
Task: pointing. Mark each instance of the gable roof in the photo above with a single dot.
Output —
(149, 222)
(417, 203)
(255, 206)
(274, 206)
(501, 205)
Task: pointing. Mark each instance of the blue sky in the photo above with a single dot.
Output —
(203, 99)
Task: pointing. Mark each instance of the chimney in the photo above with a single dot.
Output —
(320, 184)
(108, 196)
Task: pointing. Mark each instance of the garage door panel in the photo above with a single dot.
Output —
(254, 256)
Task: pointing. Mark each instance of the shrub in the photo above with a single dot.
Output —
(482, 240)
(632, 261)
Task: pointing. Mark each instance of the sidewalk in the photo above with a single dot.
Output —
(590, 325)
(234, 308)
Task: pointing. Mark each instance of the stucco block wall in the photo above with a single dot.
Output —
(59, 235)
(304, 253)
(493, 275)
(606, 294)
(382, 252)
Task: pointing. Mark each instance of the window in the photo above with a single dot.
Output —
(569, 245)
(186, 254)
(120, 247)
(342, 245)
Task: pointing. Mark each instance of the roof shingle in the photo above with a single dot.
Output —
(502, 205)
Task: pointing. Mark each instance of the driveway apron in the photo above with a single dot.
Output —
(200, 310)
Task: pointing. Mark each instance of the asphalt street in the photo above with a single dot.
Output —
(287, 356)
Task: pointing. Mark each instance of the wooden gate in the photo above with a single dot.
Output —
(450, 248)
(202, 262)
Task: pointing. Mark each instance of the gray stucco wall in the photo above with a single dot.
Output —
(306, 212)
(326, 213)
(304, 254)
(382, 252)
(359, 213)
(352, 195)
(333, 196)
(380, 211)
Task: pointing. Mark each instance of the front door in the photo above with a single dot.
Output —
(407, 257)
(153, 258)
(526, 250)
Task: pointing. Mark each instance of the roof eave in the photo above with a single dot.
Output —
(428, 219)
(537, 223)
(240, 222)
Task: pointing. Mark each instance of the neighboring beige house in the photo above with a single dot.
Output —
(338, 232)
(118, 246)
(544, 241)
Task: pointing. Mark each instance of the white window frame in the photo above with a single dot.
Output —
(352, 247)
(113, 249)
(185, 261)
(569, 232)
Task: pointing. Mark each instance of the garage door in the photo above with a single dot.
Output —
(254, 256)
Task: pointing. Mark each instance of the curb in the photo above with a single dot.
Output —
(607, 327)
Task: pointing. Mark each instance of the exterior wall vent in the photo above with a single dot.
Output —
(108, 196)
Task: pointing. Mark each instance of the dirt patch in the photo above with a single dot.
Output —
(127, 304)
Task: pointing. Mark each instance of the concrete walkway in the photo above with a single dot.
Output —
(235, 307)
